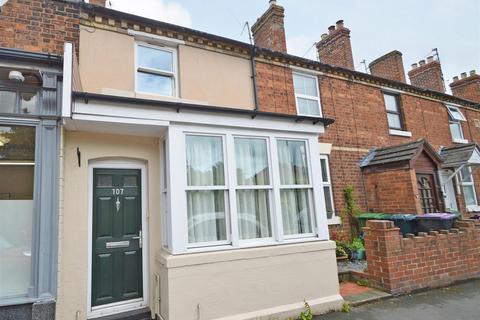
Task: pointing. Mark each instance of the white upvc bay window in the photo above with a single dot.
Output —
(234, 188)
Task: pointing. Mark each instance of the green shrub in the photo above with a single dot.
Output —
(307, 314)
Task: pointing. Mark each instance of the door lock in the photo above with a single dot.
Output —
(139, 238)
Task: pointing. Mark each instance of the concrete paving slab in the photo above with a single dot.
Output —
(458, 302)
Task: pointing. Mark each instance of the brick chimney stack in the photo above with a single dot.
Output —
(98, 2)
(389, 66)
(427, 75)
(269, 30)
(467, 87)
(334, 47)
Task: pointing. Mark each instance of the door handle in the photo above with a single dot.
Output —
(139, 238)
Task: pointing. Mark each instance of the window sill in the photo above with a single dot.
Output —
(462, 141)
(475, 208)
(400, 133)
(334, 221)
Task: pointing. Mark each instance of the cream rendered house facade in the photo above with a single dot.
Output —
(177, 195)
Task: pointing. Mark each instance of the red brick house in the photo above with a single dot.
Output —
(372, 111)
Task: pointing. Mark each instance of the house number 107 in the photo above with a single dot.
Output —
(117, 192)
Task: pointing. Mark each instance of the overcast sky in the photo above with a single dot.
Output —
(413, 27)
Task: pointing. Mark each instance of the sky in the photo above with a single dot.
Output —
(414, 27)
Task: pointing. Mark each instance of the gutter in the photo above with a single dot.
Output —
(178, 106)
(16, 54)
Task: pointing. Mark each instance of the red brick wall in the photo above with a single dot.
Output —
(392, 191)
(467, 88)
(275, 88)
(39, 25)
(401, 265)
(389, 66)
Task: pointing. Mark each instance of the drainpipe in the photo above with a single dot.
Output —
(254, 76)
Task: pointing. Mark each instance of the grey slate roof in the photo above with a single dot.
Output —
(457, 155)
(397, 153)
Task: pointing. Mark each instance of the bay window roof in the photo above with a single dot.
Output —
(468, 154)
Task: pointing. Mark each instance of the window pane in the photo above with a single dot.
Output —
(305, 85)
(292, 157)
(205, 161)
(391, 102)
(296, 211)
(456, 130)
(466, 176)
(252, 161)
(153, 83)
(328, 201)
(308, 107)
(17, 144)
(28, 102)
(323, 164)
(7, 101)
(253, 214)
(394, 121)
(206, 216)
(455, 114)
(469, 194)
(155, 58)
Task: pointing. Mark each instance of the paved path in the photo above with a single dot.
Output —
(460, 302)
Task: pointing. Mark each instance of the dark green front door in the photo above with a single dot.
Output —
(117, 229)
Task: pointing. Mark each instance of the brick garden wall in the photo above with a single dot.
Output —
(39, 25)
(401, 265)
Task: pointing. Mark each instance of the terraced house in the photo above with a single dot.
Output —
(196, 177)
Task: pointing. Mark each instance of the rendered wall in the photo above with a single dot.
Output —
(73, 239)
(257, 283)
(205, 77)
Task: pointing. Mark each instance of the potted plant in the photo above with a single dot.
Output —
(357, 248)
(341, 251)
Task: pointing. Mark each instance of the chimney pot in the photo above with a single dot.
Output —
(463, 75)
(455, 78)
(331, 29)
(324, 36)
(429, 59)
(272, 2)
(421, 63)
(414, 66)
(473, 72)
(339, 24)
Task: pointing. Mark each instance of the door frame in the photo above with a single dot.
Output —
(123, 306)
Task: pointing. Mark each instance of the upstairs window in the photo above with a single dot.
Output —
(156, 70)
(394, 117)
(306, 95)
(455, 119)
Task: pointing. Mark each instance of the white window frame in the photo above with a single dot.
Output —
(398, 113)
(335, 219)
(470, 184)
(268, 187)
(226, 194)
(177, 183)
(303, 96)
(455, 118)
(308, 187)
(173, 74)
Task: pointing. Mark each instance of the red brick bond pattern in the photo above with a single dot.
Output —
(401, 265)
